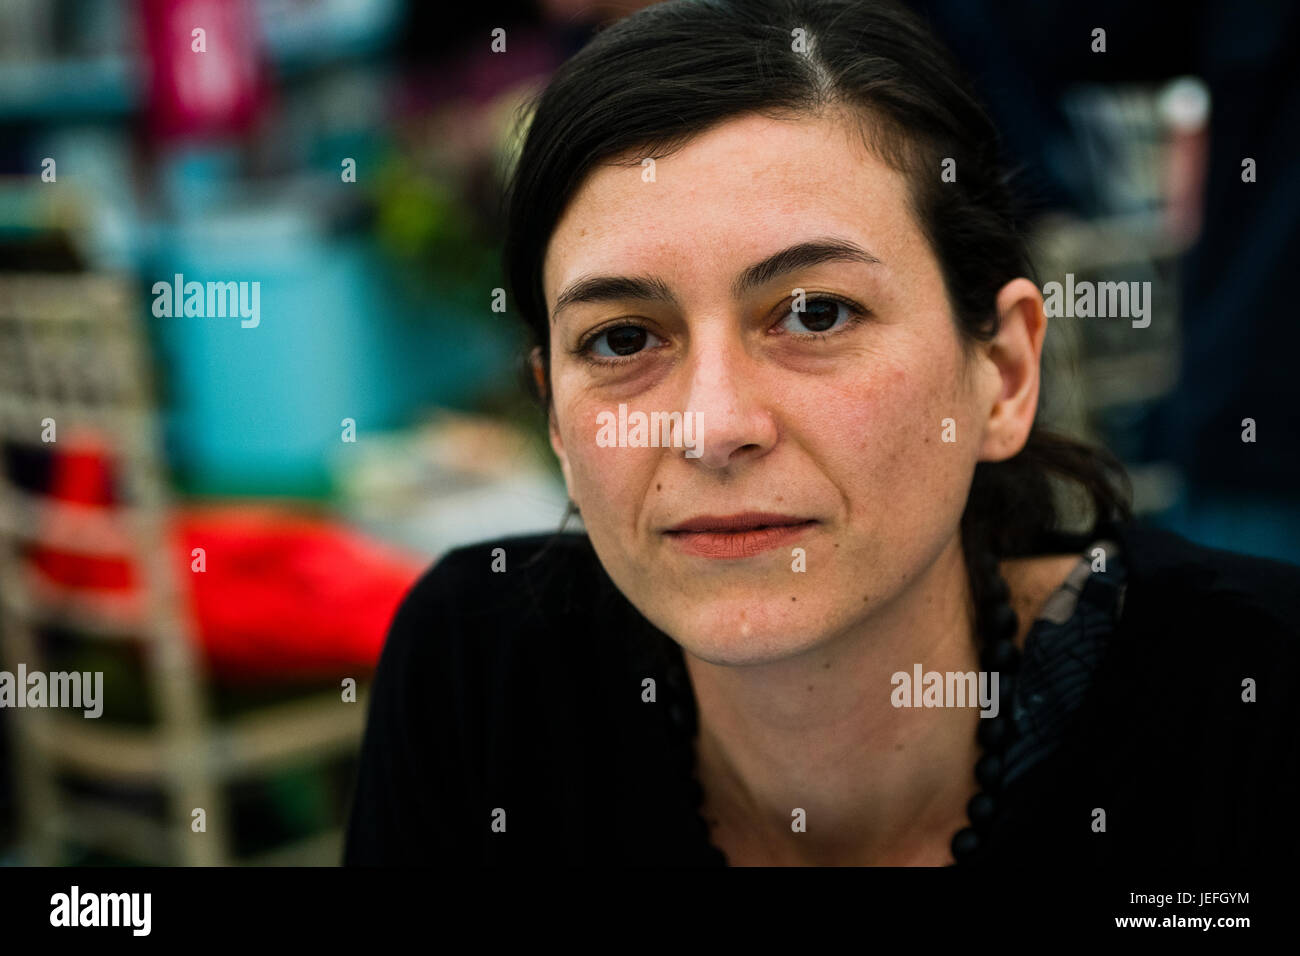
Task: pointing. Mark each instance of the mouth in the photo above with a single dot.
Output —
(737, 536)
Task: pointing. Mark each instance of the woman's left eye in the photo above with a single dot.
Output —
(819, 316)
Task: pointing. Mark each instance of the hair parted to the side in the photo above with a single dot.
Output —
(647, 84)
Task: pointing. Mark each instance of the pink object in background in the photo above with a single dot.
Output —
(218, 90)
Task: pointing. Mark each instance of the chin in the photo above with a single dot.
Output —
(744, 630)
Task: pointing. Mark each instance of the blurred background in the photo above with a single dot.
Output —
(220, 514)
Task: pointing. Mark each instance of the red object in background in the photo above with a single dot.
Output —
(81, 476)
(289, 595)
(216, 91)
(283, 595)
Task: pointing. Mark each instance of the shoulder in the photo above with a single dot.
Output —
(1177, 579)
(1207, 641)
(481, 674)
(1203, 657)
(1186, 734)
(500, 566)
(512, 677)
(529, 575)
(521, 609)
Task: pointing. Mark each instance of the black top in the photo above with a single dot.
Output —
(521, 690)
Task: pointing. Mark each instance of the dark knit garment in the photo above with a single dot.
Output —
(521, 691)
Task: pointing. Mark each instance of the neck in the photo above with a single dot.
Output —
(878, 783)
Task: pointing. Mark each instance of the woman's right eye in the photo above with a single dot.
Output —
(621, 341)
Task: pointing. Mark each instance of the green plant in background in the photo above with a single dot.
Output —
(444, 250)
(423, 222)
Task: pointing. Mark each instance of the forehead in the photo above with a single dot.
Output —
(730, 196)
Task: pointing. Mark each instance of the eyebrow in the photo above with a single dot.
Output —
(802, 255)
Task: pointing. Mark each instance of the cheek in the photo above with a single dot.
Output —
(888, 441)
(608, 482)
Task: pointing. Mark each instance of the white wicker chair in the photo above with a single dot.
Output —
(71, 350)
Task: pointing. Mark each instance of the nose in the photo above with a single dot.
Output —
(732, 409)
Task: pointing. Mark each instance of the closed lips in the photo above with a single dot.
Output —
(733, 524)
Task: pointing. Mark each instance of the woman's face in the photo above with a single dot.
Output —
(851, 418)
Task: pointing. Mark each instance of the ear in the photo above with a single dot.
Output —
(557, 443)
(1015, 353)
